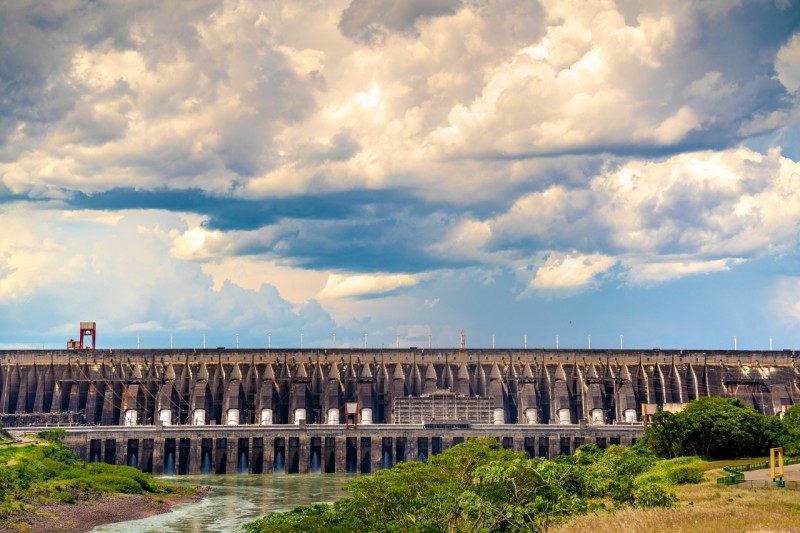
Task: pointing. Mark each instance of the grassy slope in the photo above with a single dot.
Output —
(703, 508)
(36, 474)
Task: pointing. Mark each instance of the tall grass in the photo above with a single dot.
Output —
(702, 508)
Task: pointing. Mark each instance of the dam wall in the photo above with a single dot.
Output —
(182, 450)
(335, 411)
(264, 387)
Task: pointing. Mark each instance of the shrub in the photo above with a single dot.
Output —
(685, 475)
(60, 453)
(61, 496)
(654, 495)
(312, 518)
(53, 435)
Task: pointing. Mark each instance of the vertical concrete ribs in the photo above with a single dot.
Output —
(273, 387)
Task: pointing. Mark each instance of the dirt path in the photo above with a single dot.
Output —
(790, 473)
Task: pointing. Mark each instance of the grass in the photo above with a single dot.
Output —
(702, 508)
(41, 473)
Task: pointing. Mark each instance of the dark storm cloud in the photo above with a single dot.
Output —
(241, 214)
(392, 242)
(370, 21)
(361, 230)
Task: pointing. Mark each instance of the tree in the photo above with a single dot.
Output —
(790, 440)
(721, 428)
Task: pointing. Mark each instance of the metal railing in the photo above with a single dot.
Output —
(766, 484)
(736, 472)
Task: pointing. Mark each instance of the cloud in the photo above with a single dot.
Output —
(787, 64)
(570, 272)
(121, 275)
(652, 272)
(238, 157)
(340, 286)
(711, 207)
(371, 22)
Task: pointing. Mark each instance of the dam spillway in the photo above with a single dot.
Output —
(296, 404)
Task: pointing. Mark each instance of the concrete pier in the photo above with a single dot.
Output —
(344, 450)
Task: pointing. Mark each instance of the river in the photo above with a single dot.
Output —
(235, 501)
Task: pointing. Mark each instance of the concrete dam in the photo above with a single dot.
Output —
(359, 410)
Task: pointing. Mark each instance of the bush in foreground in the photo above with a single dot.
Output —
(478, 486)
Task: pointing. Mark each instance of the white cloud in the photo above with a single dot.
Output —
(122, 276)
(296, 285)
(481, 115)
(653, 272)
(787, 64)
(340, 286)
(686, 214)
(570, 271)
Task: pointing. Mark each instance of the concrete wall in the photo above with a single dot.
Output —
(222, 387)
(222, 450)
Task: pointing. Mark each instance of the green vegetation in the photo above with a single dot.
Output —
(721, 428)
(41, 473)
(478, 486)
(791, 439)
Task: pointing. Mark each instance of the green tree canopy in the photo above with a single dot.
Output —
(790, 440)
(477, 486)
(721, 428)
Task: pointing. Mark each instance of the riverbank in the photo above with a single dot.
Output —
(83, 516)
(45, 487)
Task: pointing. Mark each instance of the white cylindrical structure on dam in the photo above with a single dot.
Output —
(498, 416)
(199, 417)
(299, 414)
(597, 417)
(564, 416)
(165, 415)
(233, 417)
(131, 417)
(366, 416)
(333, 417)
(266, 417)
(630, 416)
(532, 416)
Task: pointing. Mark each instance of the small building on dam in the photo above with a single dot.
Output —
(359, 410)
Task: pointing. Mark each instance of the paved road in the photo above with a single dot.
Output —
(790, 473)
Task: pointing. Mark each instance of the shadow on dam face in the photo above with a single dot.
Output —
(263, 411)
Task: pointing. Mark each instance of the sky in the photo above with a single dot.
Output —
(392, 172)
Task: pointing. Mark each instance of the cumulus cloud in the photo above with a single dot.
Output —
(121, 275)
(371, 21)
(279, 152)
(571, 271)
(714, 209)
